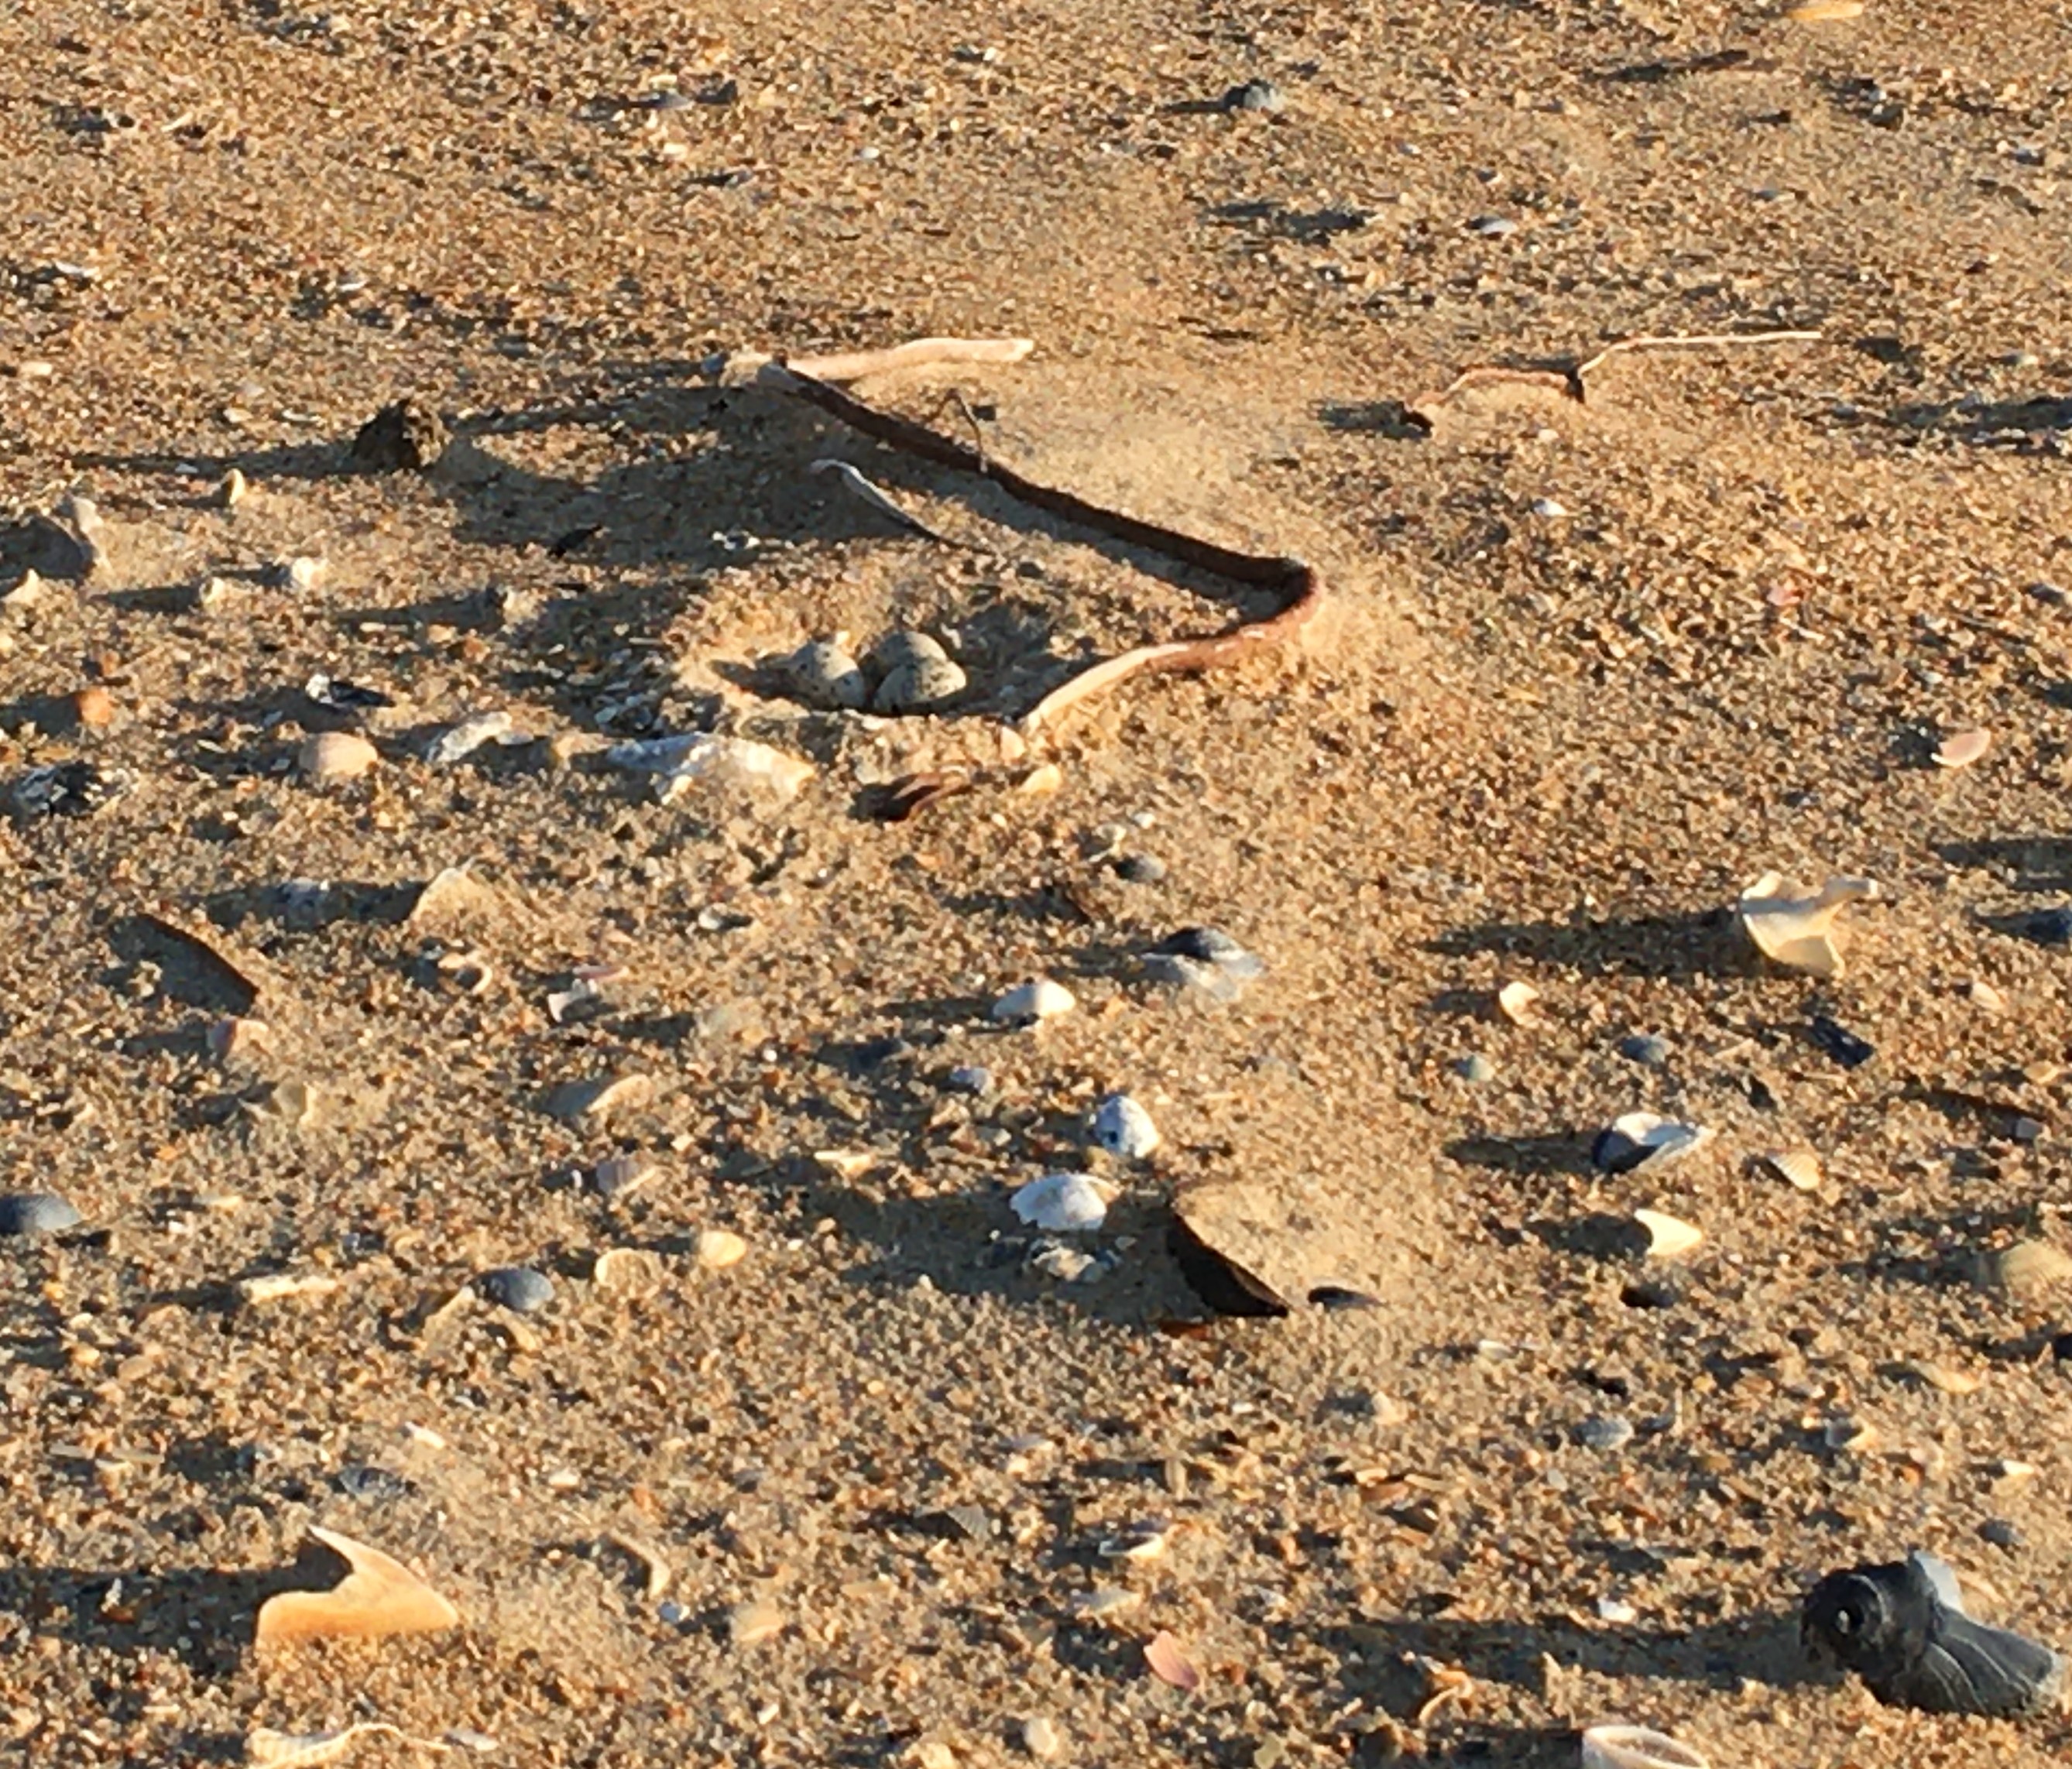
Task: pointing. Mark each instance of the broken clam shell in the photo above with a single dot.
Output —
(1668, 1237)
(1794, 929)
(1636, 1138)
(1961, 748)
(1065, 1203)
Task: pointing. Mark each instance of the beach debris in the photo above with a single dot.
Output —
(703, 759)
(73, 538)
(36, 1212)
(628, 1272)
(1637, 1138)
(459, 741)
(1254, 95)
(717, 1249)
(264, 1748)
(1144, 1540)
(24, 594)
(1605, 1433)
(655, 1569)
(1901, 1627)
(1123, 1128)
(1041, 1738)
(76, 788)
(281, 1285)
(2029, 1266)
(336, 694)
(1819, 12)
(619, 1175)
(379, 1596)
(1795, 929)
(329, 757)
(1637, 1747)
(1961, 748)
(301, 573)
(1548, 509)
(1847, 1434)
(752, 1622)
(1064, 1265)
(1799, 1168)
(230, 490)
(1038, 999)
(1668, 1237)
(1519, 1003)
(1165, 1660)
(882, 501)
(407, 435)
(1475, 1068)
(1065, 1203)
(1232, 1242)
(519, 1288)
(1834, 1038)
(1648, 1049)
(598, 1096)
(1104, 1603)
(823, 674)
(1204, 961)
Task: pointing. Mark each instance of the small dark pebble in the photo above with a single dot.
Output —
(408, 435)
(1209, 945)
(1605, 1432)
(1336, 1298)
(35, 1212)
(1140, 869)
(972, 1078)
(519, 1288)
(1651, 1293)
(2002, 1533)
(1839, 1042)
(1645, 1047)
(2048, 927)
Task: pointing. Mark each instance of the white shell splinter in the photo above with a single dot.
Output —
(1795, 930)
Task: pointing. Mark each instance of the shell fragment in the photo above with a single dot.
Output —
(1796, 929)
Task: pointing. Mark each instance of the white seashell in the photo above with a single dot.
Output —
(1668, 1237)
(1549, 508)
(1637, 1747)
(700, 758)
(1515, 1002)
(1637, 1138)
(462, 739)
(1123, 1128)
(337, 755)
(1065, 1203)
(1797, 930)
(302, 573)
(1799, 1168)
(1985, 994)
(1961, 748)
(717, 1249)
(1040, 999)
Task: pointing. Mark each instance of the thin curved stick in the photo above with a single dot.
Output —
(1298, 585)
(1569, 382)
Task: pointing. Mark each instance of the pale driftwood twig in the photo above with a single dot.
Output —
(1569, 382)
